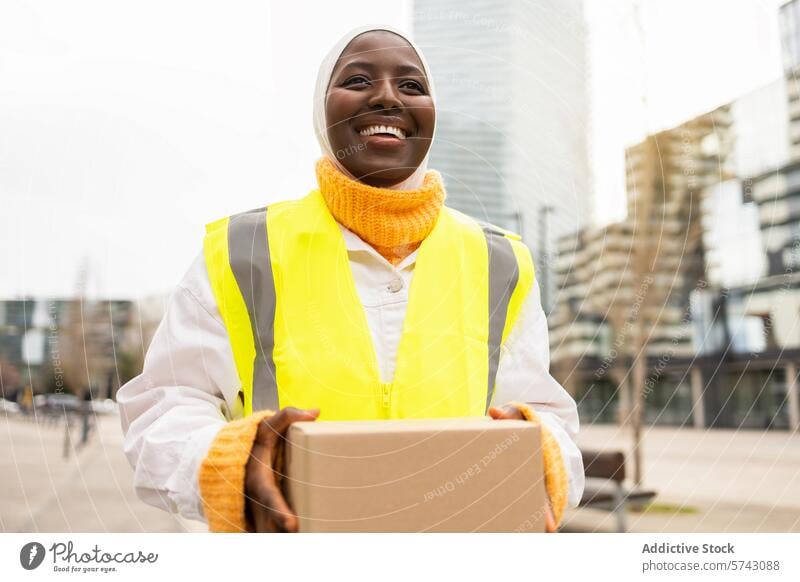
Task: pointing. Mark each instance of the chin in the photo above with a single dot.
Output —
(388, 175)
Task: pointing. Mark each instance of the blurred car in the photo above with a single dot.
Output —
(8, 407)
(106, 406)
(56, 402)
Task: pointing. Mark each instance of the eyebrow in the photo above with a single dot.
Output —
(410, 69)
(402, 69)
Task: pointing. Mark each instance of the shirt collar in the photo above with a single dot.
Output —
(355, 244)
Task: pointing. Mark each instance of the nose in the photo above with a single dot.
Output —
(385, 94)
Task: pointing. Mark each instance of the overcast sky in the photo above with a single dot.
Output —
(125, 127)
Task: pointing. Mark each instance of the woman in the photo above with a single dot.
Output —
(304, 308)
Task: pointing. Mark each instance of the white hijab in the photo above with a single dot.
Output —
(320, 98)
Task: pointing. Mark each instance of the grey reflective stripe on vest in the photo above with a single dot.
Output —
(248, 253)
(503, 277)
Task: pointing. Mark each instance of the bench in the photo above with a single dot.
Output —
(605, 489)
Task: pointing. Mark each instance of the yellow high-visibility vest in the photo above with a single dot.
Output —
(283, 284)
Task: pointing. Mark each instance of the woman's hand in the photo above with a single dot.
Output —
(505, 412)
(265, 506)
(511, 412)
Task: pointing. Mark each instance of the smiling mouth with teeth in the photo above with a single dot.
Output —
(384, 130)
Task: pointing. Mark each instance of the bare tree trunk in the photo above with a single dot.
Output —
(620, 377)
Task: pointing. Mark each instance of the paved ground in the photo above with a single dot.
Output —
(88, 491)
(735, 481)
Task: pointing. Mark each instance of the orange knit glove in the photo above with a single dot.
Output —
(221, 474)
(556, 481)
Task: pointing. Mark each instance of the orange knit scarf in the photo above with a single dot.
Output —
(393, 222)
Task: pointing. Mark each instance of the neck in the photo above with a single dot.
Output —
(394, 222)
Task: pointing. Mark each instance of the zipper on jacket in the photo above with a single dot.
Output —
(386, 395)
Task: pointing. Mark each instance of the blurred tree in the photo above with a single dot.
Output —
(129, 363)
(10, 380)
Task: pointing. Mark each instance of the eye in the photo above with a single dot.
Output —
(355, 80)
(413, 85)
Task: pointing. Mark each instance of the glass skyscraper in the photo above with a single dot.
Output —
(512, 113)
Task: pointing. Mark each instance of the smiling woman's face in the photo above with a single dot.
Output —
(379, 111)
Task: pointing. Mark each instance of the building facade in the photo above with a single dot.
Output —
(512, 123)
(725, 348)
(66, 345)
(701, 334)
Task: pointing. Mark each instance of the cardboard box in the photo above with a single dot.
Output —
(443, 475)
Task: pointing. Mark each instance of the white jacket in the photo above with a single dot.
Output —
(171, 412)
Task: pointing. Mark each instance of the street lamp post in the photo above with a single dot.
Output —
(544, 266)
